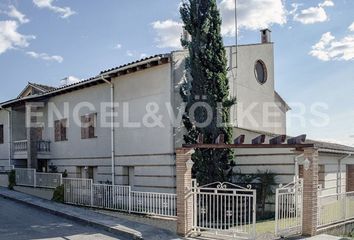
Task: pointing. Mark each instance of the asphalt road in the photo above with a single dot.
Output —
(20, 222)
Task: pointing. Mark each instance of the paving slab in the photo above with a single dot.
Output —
(325, 237)
(119, 226)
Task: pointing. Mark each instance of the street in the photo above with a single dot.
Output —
(20, 222)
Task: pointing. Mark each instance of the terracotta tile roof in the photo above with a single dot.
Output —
(49, 91)
(45, 88)
(140, 60)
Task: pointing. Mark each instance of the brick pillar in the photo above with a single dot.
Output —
(184, 197)
(309, 221)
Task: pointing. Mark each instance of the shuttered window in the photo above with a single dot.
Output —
(60, 130)
(1, 134)
(88, 125)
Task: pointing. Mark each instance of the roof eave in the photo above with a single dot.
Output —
(126, 69)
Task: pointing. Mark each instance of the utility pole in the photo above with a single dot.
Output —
(236, 35)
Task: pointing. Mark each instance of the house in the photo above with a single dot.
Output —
(76, 132)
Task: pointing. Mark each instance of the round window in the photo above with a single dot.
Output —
(260, 71)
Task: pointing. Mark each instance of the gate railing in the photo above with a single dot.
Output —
(25, 177)
(288, 209)
(78, 191)
(48, 180)
(335, 208)
(31, 178)
(162, 204)
(84, 192)
(224, 209)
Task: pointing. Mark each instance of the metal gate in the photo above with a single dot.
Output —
(288, 209)
(224, 210)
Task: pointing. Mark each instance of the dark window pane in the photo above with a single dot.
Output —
(261, 72)
(1, 134)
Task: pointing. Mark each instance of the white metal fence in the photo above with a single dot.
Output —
(111, 197)
(25, 177)
(225, 210)
(335, 208)
(78, 191)
(7, 168)
(162, 204)
(48, 180)
(29, 177)
(83, 192)
(288, 209)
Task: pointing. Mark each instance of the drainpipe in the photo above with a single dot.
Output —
(10, 133)
(112, 128)
(296, 159)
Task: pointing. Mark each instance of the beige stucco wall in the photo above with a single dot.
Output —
(150, 150)
(4, 148)
(250, 94)
(76, 152)
(335, 172)
(245, 87)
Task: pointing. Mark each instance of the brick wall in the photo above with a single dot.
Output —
(184, 198)
(310, 193)
(350, 178)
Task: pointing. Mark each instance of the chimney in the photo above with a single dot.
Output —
(266, 35)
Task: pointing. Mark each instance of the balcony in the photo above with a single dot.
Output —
(20, 149)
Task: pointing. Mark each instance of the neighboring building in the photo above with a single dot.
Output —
(144, 157)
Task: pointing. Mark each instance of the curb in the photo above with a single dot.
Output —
(115, 230)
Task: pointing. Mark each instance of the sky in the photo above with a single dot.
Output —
(45, 41)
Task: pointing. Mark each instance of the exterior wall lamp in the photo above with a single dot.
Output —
(189, 164)
(307, 164)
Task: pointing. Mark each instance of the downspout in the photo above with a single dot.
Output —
(112, 129)
(296, 159)
(10, 133)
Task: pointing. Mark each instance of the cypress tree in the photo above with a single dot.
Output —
(206, 84)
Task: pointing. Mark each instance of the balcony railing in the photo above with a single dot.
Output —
(21, 146)
(43, 146)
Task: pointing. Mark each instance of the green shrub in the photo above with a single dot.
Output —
(58, 195)
(12, 179)
(65, 174)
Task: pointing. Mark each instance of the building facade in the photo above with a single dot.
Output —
(76, 133)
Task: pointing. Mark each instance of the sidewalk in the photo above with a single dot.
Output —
(325, 237)
(119, 226)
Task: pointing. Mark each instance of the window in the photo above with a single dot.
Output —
(38, 132)
(60, 130)
(88, 124)
(87, 172)
(1, 134)
(260, 71)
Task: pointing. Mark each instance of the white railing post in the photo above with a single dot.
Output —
(34, 178)
(130, 199)
(91, 190)
(276, 211)
(194, 192)
(254, 213)
(345, 202)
